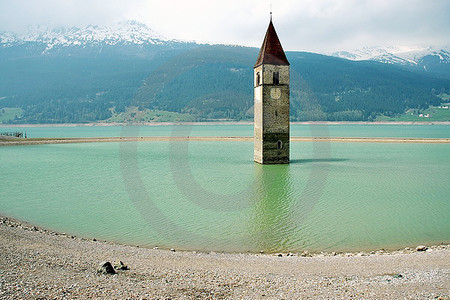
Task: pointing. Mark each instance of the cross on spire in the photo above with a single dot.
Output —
(270, 12)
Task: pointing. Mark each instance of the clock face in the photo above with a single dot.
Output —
(275, 93)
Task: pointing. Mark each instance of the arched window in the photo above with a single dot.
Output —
(258, 79)
(279, 145)
(276, 78)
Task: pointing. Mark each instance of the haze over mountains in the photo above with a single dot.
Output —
(92, 73)
(396, 54)
(426, 58)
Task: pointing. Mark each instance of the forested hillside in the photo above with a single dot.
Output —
(92, 83)
(329, 88)
(76, 84)
(216, 82)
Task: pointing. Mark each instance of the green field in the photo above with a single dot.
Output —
(8, 114)
(133, 114)
(444, 97)
(432, 114)
(435, 114)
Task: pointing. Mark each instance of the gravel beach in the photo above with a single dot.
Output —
(40, 264)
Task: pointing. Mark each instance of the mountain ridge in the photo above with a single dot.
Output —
(403, 54)
(91, 73)
(134, 32)
(130, 32)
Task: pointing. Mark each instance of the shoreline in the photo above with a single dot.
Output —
(104, 124)
(27, 226)
(39, 141)
(42, 263)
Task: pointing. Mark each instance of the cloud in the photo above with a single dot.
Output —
(366, 23)
(312, 25)
(19, 14)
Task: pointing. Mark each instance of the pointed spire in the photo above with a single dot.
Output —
(271, 50)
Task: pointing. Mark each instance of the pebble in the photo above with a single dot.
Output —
(421, 248)
(119, 265)
(305, 254)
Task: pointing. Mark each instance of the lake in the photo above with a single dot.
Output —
(211, 196)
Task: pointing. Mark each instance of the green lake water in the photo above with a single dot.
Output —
(211, 195)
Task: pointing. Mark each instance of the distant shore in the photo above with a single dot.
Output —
(9, 141)
(217, 123)
(38, 263)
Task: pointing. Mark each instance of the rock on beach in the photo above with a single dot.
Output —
(105, 268)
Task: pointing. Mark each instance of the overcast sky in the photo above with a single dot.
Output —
(305, 25)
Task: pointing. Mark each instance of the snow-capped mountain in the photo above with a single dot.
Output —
(127, 38)
(397, 54)
(125, 32)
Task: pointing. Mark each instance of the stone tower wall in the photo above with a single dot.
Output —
(271, 117)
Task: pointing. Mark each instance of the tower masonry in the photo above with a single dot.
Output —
(271, 102)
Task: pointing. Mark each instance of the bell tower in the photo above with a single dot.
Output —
(271, 102)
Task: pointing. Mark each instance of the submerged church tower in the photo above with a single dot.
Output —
(271, 102)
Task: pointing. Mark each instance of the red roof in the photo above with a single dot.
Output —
(271, 51)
